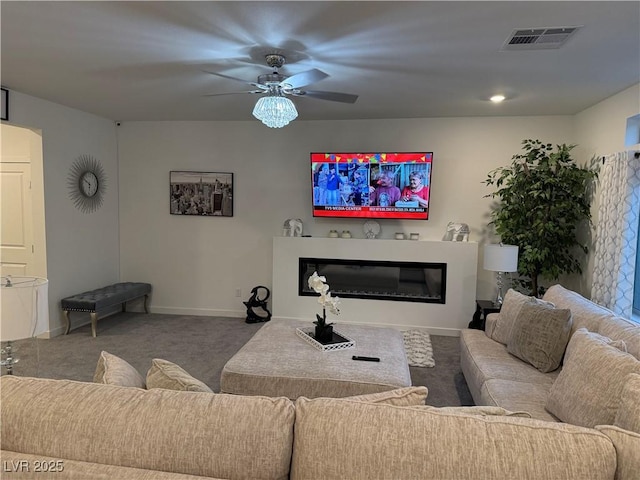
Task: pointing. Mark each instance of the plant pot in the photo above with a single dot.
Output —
(324, 334)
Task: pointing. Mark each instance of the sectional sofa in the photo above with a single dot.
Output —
(171, 426)
(497, 377)
(73, 430)
(561, 358)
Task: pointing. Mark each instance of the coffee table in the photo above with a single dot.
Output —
(276, 362)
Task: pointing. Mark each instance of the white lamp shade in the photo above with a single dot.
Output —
(24, 309)
(501, 258)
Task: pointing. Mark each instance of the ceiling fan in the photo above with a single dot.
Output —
(276, 83)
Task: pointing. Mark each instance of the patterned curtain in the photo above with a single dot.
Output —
(616, 233)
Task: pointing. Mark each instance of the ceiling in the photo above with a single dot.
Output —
(144, 60)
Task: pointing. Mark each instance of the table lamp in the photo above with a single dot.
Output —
(500, 258)
(24, 312)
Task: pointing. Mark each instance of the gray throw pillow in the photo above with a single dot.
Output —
(511, 306)
(539, 335)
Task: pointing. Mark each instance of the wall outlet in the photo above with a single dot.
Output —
(238, 292)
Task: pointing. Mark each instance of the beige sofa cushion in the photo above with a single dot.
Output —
(491, 320)
(168, 375)
(342, 439)
(78, 470)
(511, 305)
(618, 328)
(627, 446)
(539, 335)
(517, 396)
(588, 389)
(483, 360)
(400, 397)
(584, 312)
(113, 370)
(219, 436)
(628, 414)
(500, 328)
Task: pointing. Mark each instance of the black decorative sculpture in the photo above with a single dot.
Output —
(256, 303)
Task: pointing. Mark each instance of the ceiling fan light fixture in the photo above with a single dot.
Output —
(275, 111)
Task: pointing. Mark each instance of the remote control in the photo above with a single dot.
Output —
(366, 359)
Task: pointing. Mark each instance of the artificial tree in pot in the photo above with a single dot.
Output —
(544, 197)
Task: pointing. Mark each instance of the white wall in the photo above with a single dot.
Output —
(196, 263)
(601, 129)
(82, 249)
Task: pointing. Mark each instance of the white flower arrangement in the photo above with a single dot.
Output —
(319, 285)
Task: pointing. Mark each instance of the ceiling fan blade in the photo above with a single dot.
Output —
(232, 78)
(231, 93)
(332, 96)
(305, 78)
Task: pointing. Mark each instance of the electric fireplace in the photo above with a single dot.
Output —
(377, 280)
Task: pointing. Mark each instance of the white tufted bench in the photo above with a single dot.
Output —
(94, 301)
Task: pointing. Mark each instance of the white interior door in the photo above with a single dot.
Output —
(16, 225)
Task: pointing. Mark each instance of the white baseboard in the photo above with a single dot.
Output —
(205, 312)
(199, 312)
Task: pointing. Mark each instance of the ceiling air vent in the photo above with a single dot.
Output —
(539, 38)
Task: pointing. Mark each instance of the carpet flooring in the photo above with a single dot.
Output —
(200, 345)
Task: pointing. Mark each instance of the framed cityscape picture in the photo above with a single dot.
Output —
(205, 194)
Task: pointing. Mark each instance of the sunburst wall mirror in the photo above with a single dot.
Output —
(87, 183)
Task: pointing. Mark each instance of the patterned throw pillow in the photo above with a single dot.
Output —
(167, 375)
(539, 335)
(587, 391)
(113, 370)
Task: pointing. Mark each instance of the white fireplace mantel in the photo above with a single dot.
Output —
(440, 319)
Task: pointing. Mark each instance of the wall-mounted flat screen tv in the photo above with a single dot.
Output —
(371, 185)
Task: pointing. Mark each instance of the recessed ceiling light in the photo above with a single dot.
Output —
(497, 98)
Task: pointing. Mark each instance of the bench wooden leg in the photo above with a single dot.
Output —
(66, 318)
(124, 306)
(94, 324)
(146, 308)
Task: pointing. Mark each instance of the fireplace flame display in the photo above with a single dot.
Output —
(377, 280)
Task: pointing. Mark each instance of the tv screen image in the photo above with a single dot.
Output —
(371, 185)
